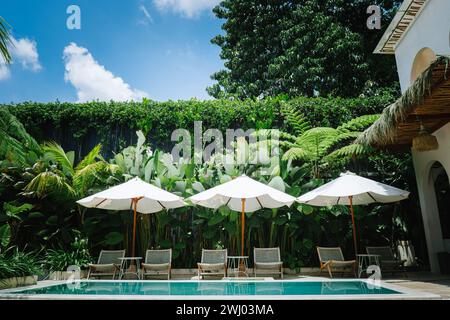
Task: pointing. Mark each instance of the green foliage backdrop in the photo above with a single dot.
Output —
(80, 127)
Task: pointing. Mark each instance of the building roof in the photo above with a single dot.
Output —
(402, 22)
(426, 101)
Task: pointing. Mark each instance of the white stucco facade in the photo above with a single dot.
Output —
(423, 161)
(431, 29)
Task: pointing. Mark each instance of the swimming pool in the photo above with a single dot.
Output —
(205, 289)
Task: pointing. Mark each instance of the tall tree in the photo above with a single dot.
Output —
(251, 41)
(300, 47)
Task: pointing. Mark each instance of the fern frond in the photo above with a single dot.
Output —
(359, 123)
(348, 152)
(295, 119)
(296, 153)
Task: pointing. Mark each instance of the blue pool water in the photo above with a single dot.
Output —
(207, 288)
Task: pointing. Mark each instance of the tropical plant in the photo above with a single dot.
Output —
(13, 262)
(16, 263)
(76, 255)
(322, 147)
(16, 143)
(56, 174)
(50, 183)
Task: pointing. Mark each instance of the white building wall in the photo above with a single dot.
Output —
(430, 29)
(423, 161)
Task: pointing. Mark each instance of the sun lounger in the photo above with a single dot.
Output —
(333, 260)
(157, 262)
(267, 261)
(107, 265)
(389, 263)
(213, 263)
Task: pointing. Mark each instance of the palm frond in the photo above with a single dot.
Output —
(15, 141)
(55, 152)
(5, 41)
(91, 157)
(86, 177)
(50, 183)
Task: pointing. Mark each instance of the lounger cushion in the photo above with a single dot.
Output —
(268, 265)
(103, 267)
(211, 266)
(156, 266)
(343, 263)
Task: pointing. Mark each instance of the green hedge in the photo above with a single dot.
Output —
(79, 126)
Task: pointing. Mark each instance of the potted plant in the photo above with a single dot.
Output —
(57, 261)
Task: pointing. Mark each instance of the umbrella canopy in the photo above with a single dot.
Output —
(257, 195)
(351, 189)
(151, 198)
(362, 190)
(136, 194)
(243, 194)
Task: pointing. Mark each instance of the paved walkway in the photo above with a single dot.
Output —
(436, 284)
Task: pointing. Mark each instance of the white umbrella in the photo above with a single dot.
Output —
(243, 194)
(137, 194)
(351, 189)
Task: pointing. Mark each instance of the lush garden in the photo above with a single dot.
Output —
(42, 228)
(305, 68)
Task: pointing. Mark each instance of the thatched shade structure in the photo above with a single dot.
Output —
(420, 111)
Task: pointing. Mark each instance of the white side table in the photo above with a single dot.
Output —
(238, 265)
(365, 260)
(126, 267)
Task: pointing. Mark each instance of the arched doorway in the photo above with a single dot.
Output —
(442, 192)
(421, 62)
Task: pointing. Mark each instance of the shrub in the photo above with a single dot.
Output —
(78, 255)
(15, 263)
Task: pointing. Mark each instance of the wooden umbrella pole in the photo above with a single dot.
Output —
(353, 224)
(242, 226)
(134, 201)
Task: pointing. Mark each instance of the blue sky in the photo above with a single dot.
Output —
(125, 49)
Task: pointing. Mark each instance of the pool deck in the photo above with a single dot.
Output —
(417, 285)
(418, 281)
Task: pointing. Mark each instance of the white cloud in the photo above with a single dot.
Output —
(146, 17)
(23, 51)
(187, 8)
(92, 81)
